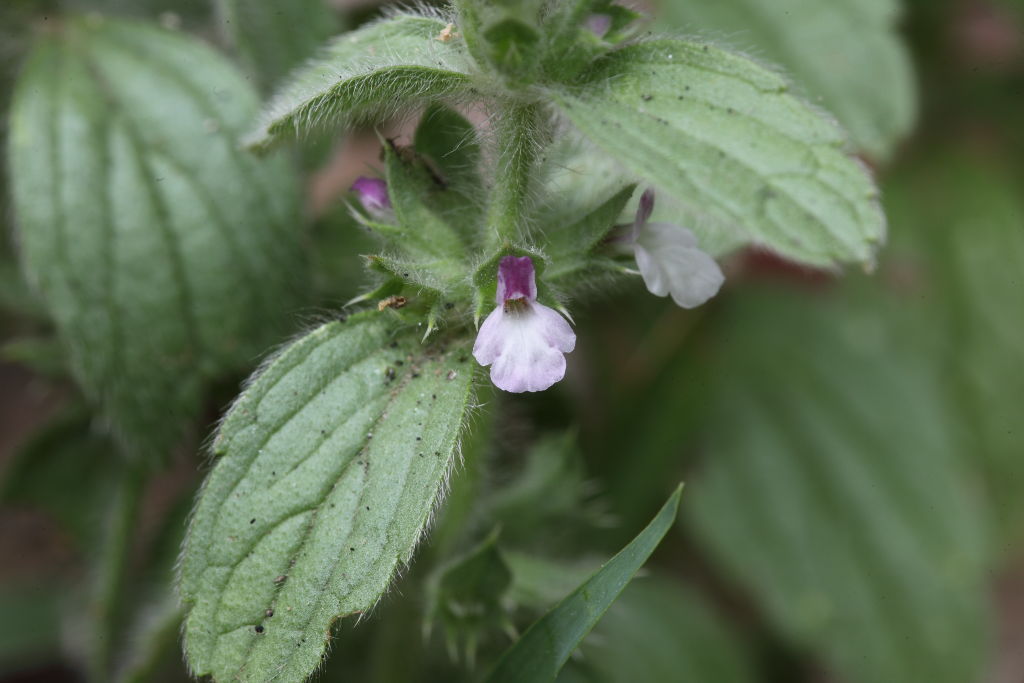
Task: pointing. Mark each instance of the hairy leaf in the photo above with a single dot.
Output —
(275, 36)
(364, 75)
(164, 255)
(856, 534)
(327, 469)
(448, 142)
(542, 651)
(845, 55)
(723, 136)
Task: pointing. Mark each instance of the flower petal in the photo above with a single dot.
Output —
(525, 348)
(490, 339)
(516, 279)
(373, 194)
(689, 275)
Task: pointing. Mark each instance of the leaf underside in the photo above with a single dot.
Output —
(327, 470)
(723, 136)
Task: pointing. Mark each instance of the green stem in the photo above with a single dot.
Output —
(107, 587)
(518, 139)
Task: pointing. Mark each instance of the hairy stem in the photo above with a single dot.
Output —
(518, 142)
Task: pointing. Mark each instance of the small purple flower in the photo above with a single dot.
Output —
(373, 195)
(670, 261)
(598, 24)
(523, 341)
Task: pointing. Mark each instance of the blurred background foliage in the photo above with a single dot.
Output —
(852, 444)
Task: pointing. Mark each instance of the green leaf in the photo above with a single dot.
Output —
(31, 627)
(393, 64)
(961, 224)
(550, 500)
(327, 470)
(834, 495)
(164, 255)
(423, 233)
(723, 136)
(659, 631)
(65, 469)
(275, 36)
(845, 54)
(466, 597)
(571, 246)
(450, 146)
(546, 645)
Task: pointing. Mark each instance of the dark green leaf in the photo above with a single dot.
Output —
(466, 597)
(722, 135)
(449, 144)
(328, 467)
(164, 255)
(542, 651)
(66, 470)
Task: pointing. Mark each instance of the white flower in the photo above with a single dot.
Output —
(670, 261)
(523, 341)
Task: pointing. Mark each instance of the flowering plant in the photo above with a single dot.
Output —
(538, 170)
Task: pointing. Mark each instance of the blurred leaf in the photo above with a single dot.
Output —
(542, 651)
(658, 631)
(362, 76)
(844, 54)
(66, 470)
(538, 581)
(466, 597)
(962, 235)
(44, 356)
(30, 629)
(165, 256)
(549, 500)
(173, 14)
(275, 36)
(834, 494)
(328, 468)
(722, 135)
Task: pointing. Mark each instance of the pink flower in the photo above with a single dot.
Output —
(373, 195)
(670, 261)
(523, 341)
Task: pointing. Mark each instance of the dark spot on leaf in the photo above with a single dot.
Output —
(449, 305)
(269, 613)
(252, 521)
(281, 579)
(647, 98)
(259, 629)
